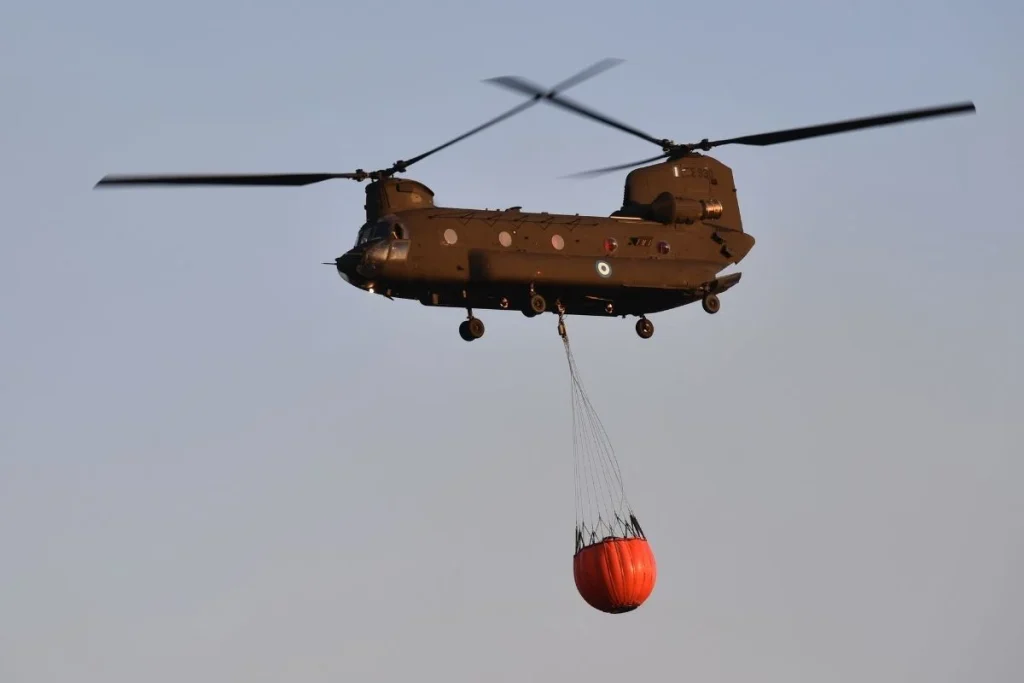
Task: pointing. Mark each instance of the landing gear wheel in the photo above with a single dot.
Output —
(644, 328)
(711, 303)
(537, 304)
(471, 329)
(476, 327)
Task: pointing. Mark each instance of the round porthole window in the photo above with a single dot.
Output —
(450, 236)
(504, 239)
(664, 248)
(610, 245)
(557, 242)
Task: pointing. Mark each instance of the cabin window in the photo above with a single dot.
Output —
(504, 239)
(450, 236)
(557, 242)
(664, 248)
(610, 245)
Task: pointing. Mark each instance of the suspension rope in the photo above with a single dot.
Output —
(602, 509)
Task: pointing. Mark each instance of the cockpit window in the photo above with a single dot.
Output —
(381, 230)
(362, 237)
(385, 227)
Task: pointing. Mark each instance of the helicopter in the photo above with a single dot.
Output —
(678, 228)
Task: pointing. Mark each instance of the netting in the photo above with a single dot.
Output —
(602, 509)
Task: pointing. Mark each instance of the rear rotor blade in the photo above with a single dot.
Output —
(521, 85)
(588, 73)
(803, 133)
(257, 179)
(618, 167)
(765, 139)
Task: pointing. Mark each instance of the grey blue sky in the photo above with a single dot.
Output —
(218, 462)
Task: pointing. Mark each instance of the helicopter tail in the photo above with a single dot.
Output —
(721, 284)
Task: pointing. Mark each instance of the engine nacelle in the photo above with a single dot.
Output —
(667, 208)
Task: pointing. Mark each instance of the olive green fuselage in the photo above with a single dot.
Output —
(678, 228)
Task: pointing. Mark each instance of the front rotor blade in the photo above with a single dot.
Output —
(522, 86)
(402, 165)
(258, 179)
(774, 138)
(594, 69)
(574, 80)
(619, 167)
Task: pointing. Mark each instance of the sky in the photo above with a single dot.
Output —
(219, 462)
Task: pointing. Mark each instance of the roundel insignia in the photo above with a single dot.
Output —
(603, 269)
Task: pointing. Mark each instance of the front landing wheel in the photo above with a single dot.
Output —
(537, 304)
(644, 328)
(711, 303)
(471, 329)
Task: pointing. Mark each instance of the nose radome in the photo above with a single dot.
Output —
(347, 265)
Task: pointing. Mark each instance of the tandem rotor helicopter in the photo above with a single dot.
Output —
(678, 228)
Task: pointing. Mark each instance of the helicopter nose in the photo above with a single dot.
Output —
(347, 265)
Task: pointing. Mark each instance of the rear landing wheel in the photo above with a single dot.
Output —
(711, 303)
(644, 328)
